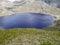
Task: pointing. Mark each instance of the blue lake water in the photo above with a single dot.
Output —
(1, 21)
(26, 20)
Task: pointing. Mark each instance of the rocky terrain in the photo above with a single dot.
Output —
(21, 6)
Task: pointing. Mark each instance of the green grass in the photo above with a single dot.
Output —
(44, 37)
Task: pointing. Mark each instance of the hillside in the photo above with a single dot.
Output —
(29, 6)
(29, 36)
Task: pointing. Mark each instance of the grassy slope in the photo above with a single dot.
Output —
(29, 36)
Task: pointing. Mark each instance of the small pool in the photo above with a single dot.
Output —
(27, 20)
